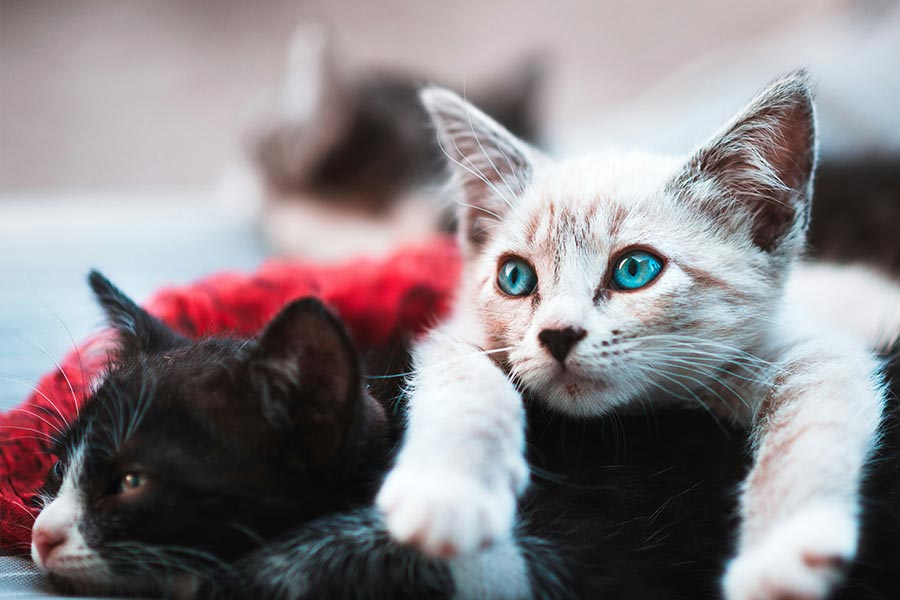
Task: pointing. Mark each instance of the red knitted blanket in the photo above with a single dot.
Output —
(380, 300)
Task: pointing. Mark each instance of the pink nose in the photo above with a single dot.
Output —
(46, 541)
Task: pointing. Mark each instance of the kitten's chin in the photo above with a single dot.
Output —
(579, 396)
(90, 581)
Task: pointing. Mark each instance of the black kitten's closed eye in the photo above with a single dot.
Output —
(58, 470)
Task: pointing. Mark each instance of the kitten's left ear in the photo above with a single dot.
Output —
(492, 166)
(138, 330)
(314, 385)
(755, 176)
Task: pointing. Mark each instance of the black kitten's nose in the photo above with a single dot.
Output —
(559, 342)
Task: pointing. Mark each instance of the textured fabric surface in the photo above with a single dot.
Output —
(19, 578)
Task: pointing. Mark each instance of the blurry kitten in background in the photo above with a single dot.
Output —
(348, 163)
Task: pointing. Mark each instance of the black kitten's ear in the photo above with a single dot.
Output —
(310, 365)
(755, 176)
(492, 167)
(138, 330)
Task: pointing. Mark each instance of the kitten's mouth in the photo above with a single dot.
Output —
(74, 574)
(574, 383)
(87, 577)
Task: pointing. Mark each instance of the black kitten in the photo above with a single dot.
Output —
(191, 453)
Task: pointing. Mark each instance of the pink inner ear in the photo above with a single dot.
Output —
(785, 138)
(492, 166)
(764, 160)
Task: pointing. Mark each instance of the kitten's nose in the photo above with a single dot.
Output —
(559, 342)
(46, 540)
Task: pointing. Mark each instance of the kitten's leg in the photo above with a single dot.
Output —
(454, 486)
(350, 555)
(813, 434)
(337, 556)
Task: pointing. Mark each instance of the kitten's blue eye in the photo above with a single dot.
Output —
(516, 277)
(636, 269)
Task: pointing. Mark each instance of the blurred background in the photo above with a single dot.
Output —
(111, 94)
(132, 132)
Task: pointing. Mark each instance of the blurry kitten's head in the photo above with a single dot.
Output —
(190, 453)
(347, 162)
(626, 275)
(361, 139)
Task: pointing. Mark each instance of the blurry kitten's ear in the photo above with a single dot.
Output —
(755, 176)
(514, 97)
(310, 366)
(312, 109)
(138, 330)
(311, 79)
(492, 167)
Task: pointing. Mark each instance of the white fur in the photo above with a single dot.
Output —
(854, 298)
(323, 231)
(711, 331)
(462, 498)
(801, 559)
(73, 558)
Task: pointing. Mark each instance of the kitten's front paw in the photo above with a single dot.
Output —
(445, 514)
(800, 559)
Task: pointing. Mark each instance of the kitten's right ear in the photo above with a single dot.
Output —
(137, 329)
(313, 381)
(492, 167)
(754, 177)
(311, 79)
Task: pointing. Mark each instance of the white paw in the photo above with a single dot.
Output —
(444, 514)
(799, 559)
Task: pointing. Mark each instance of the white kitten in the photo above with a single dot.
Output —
(600, 283)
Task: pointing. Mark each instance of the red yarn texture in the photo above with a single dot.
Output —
(381, 301)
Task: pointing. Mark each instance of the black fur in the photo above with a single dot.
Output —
(857, 211)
